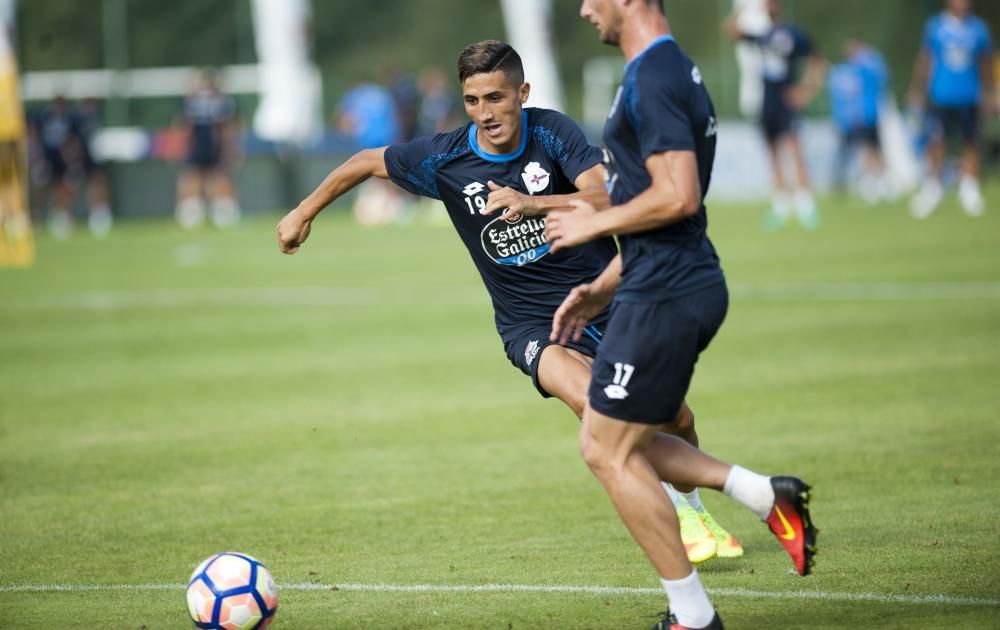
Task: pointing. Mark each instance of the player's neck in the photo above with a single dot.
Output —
(500, 149)
(638, 34)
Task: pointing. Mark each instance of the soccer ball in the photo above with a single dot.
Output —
(232, 591)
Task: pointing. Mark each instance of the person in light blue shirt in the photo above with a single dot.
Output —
(953, 79)
(857, 87)
(368, 116)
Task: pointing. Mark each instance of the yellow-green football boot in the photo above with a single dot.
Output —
(726, 545)
(699, 543)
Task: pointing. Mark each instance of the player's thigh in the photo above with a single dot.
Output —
(525, 346)
(647, 356)
(968, 125)
(565, 374)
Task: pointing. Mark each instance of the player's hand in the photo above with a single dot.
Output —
(569, 228)
(582, 304)
(293, 230)
(513, 203)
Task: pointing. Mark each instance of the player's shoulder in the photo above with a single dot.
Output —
(664, 66)
(663, 55)
(934, 24)
(663, 62)
(980, 25)
(549, 119)
(446, 142)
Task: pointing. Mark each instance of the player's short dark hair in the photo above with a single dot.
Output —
(489, 56)
(656, 3)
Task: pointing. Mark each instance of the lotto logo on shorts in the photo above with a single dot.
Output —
(623, 374)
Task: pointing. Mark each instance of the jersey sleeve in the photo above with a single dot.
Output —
(803, 45)
(565, 143)
(985, 39)
(413, 165)
(930, 31)
(658, 110)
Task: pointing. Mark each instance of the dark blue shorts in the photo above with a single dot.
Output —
(205, 155)
(962, 121)
(646, 359)
(524, 346)
(777, 118)
(867, 135)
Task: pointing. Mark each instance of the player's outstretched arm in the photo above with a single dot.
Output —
(675, 194)
(584, 303)
(590, 186)
(294, 228)
(813, 80)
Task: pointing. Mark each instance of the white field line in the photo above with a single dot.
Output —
(164, 298)
(884, 598)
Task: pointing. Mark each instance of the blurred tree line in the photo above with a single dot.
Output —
(367, 39)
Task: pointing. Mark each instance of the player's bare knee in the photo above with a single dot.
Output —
(597, 456)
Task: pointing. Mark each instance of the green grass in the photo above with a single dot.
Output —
(348, 416)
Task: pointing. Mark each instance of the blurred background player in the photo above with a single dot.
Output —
(857, 87)
(210, 119)
(439, 111)
(369, 114)
(92, 175)
(63, 136)
(782, 48)
(953, 78)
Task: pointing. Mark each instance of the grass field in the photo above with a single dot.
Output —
(347, 415)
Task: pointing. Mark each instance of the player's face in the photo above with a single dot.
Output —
(773, 9)
(960, 8)
(494, 104)
(606, 16)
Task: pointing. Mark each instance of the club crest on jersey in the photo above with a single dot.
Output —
(515, 243)
(536, 178)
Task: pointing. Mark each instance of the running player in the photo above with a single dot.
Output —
(782, 48)
(518, 163)
(659, 148)
(954, 77)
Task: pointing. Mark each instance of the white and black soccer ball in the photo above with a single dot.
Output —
(232, 591)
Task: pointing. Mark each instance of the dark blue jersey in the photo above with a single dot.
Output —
(662, 105)
(781, 48)
(525, 282)
(207, 113)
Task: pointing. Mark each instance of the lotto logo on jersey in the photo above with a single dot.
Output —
(473, 189)
(515, 242)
